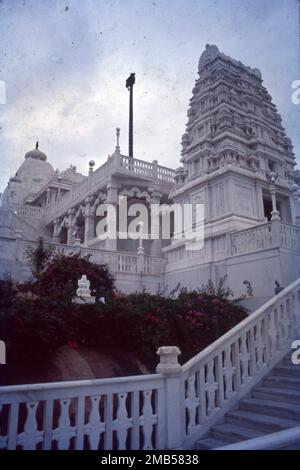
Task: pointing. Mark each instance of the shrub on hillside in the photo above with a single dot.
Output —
(60, 278)
(35, 325)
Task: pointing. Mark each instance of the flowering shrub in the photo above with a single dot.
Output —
(59, 279)
(207, 317)
(34, 326)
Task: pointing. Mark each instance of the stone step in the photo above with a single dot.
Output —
(262, 422)
(271, 408)
(209, 443)
(279, 381)
(277, 394)
(230, 433)
(290, 371)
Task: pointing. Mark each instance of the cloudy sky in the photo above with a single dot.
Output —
(65, 62)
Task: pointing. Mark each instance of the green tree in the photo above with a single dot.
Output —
(38, 257)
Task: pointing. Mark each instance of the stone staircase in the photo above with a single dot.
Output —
(273, 405)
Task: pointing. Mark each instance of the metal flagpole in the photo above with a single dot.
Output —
(129, 85)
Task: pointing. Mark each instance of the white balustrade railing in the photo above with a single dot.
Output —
(262, 237)
(153, 265)
(150, 170)
(166, 174)
(122, 413)
(27, 211)
(252, 239)
(290, 236)
(115, 260)
(116, 163)
(139, 167)
(171, 409)
(215, 379)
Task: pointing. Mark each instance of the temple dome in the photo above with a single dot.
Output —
(36, 154)
(31, 176)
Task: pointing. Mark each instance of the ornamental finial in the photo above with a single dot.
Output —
(118, 136)
(117, 149)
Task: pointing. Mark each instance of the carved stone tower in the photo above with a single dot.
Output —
(238, 162)
(233, 141)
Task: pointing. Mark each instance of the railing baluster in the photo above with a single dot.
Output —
(202, 394)
(220, 377)
(80, 412)
(160, 410)
(47, 424)
(237, 365)
(253, 365)
(148, 419)
(135, 432)
(265, 337)
(109, 421)
(13, 420)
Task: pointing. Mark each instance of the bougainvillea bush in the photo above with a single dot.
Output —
(59, 279)
(38, 317)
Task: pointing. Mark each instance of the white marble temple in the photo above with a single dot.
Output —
(236, 159)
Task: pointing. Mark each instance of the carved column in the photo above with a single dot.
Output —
(295, 206)
(70, 226)
(111, 198)
(56, 231)
(260, 201)
(89, 218)
(48, 196)
(155, 225)
(112, 193)
(275, 213)
(155, 170)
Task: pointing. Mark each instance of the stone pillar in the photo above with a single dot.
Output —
(141, 258)
(174, 393)
(259, 201)
(70, 230)
(155, 170)
(89, 219)
(55, 237)
(156, 228)
(58, 188)
(89, 229)
(276, 232)
(112, 193)
(112, 198)
(52, 196)
(70, 226)
(48, 196)
(117, 160)
(275, 213)
(296, 205)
